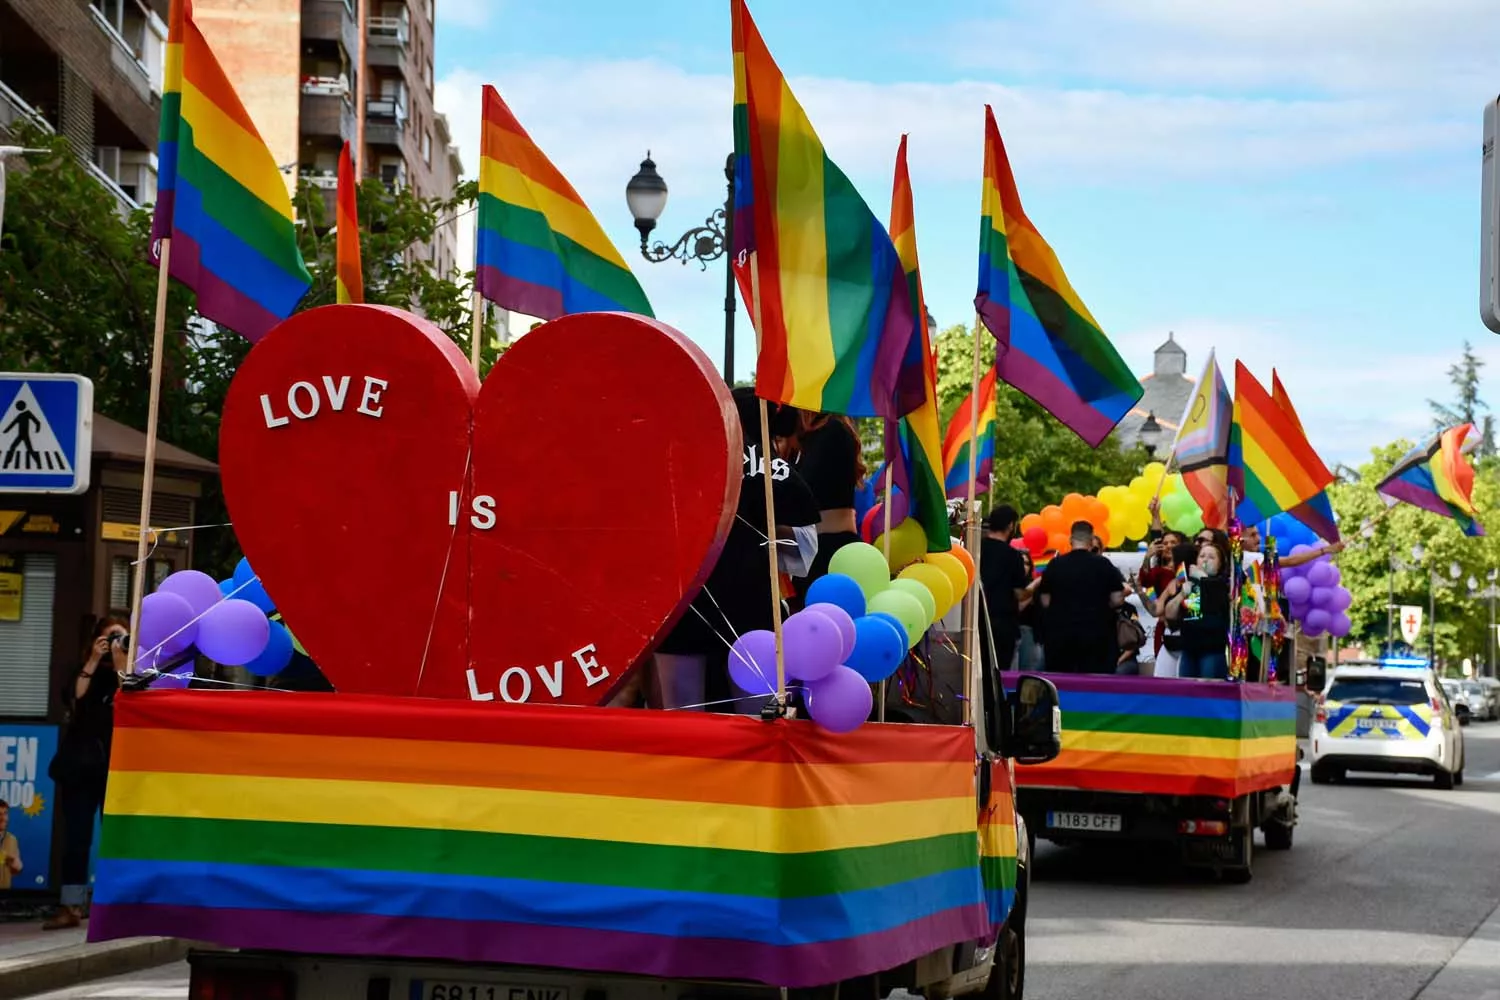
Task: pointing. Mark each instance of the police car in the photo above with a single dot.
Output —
(1392, 719)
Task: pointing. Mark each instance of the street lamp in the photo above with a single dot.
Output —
(1150, 433)
(646, 197)
(6, 152)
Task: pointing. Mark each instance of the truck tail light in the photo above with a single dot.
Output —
(241, 984)
(1203, 827)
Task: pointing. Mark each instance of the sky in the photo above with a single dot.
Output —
(1294, 183)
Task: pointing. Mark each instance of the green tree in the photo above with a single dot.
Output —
(1467, 405)
(78, 294)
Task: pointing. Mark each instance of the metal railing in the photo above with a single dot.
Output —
(132, 57)
(13, 109)
(389, 31)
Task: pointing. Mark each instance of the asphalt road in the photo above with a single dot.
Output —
(1387, 879)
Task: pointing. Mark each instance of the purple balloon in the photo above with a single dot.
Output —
(1311, 633)
(1340, 625)
(1323, 574)
(814, 646)
(1341, 599)
(200, 590)
(1321, 597)
(1297, 550)
(841, 701)
(233, 632)
(1317, 621)
(1338, 577)
(842, 620)
(752, 662)
(1296, 590)
(167, 625)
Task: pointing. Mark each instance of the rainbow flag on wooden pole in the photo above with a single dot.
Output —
(1316, 513)
(222, 205)
(1048, 344)
(1437, 476)
(1272, 467)
(964, 436)
(913, 443)
(829, 297)
(349, 278)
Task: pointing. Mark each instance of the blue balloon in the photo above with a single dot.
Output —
(879, 647)
(242, 571)
(895, 622)
(277, 654)
(838, 589)
(248, 588)
(226, 587)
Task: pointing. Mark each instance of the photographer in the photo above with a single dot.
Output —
(81, 765)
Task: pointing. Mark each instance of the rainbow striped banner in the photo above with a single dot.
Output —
(1272, 467)
(220, 196)
(1437, 476)
(349, 275)
(961, 434)
(678, 844)
(1167, 736)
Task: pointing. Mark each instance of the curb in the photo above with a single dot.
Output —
(1473, 972)
(62, 967)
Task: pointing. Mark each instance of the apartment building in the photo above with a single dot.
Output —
(91, 70)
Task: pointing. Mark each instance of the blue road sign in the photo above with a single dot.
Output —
(46, 431)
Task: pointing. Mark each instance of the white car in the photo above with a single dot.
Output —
(1386, 719)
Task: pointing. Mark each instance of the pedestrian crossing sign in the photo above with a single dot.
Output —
(46, 431)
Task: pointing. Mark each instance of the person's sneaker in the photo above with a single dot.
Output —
(65, 918)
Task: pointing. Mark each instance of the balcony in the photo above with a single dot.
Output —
(124, 204)
(389, 38)
(326, 114)
(331, 21)
(127, 58)
(13, 110)
(385, 122)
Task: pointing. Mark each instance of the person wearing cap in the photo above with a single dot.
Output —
(1003, 574)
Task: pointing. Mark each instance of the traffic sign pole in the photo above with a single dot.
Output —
(148, 480)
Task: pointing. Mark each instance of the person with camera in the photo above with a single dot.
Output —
(81, 764)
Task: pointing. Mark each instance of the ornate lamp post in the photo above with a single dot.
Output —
(646, 196)
(1150, 434)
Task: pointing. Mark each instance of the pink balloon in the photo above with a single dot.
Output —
(841, 701)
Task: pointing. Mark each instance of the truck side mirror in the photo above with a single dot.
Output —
(1317, 673)
(1035, 730)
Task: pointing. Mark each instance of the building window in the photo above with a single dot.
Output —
(427, 74)
(27, 584)
(427, 148)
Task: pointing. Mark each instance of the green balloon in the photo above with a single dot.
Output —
(918, 590)
(905, 608)
(864, 564)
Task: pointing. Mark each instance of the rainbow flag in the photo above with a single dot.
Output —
(914, 442)
(961, 433)
(1165, 736)
(349, 277)
(675, 844)
(827, 292)
(997, 842)
(1272, 468)
(1316, 513)
(1202, 448)
(1048, 344)
(221, 199)
(1437, 476)
(538, 249)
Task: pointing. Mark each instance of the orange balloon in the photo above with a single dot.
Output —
(1102, 530)
(1054, 520)
(1075, 507)
(962, 555)
(1098, 513)
(1031, 521)
(1058, 542)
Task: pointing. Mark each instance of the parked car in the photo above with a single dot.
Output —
(1461, 701)
(1492, 688)
(1482, 701)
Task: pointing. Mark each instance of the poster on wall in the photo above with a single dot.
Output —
(26, 822)
(11, 582)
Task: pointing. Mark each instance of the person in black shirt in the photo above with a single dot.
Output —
(1201, 606)
(1080, 592)
(81, 764)
(831, 462)
(1003, 574)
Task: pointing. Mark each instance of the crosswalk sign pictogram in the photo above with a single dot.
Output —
(46, 431)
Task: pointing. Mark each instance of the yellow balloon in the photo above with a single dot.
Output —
(908, 543)
(936, 581)
(1153, 473)
(952, 567)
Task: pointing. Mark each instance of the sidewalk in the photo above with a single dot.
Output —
(1473, 973)
(35, 961)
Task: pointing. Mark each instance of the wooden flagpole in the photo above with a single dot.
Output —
(477, 332)
(766, 470)
(361, 89)
(971, 605)
(148, 478)
(886, 538)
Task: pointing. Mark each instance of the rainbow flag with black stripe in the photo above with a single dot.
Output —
(349, 279)
(1048, 344)
(538, 250)
(1437, 476)
(826, 288)
(671, 844)
(914, 442)
(961, 434)
(1272, 467)
(221, 199)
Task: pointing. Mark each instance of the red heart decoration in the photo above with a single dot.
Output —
(594, 475)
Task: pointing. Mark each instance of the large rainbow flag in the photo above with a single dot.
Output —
(538, 249)
(1272, 467)
(220, 197)
(961, 434)
(349, 279)
(673, 844)
(914, 442)
(1165, 736)
(1202, 447)
(1316, 513)
(826, 288)
(1048, 344)
(1437, 476)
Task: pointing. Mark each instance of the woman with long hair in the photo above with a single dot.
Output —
(81, 764)
(1201, 609)
(827, 452)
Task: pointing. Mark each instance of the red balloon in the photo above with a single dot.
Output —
(872, 522)
(1035, 539)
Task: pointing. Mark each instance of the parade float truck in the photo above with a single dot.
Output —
(1193, 763)
(477, 569)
